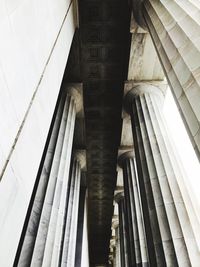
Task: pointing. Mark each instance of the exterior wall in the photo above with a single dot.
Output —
(35, 43)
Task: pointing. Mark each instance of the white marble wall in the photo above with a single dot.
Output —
(35, 43)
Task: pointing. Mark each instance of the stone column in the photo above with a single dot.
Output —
(117, 248)
(175, 28)
(132, 245)
(45, 225)
(124, 250)
(69, 242)
(169, 226)
(80, 228)
(131, 192)
(116, 254)
(25, 252)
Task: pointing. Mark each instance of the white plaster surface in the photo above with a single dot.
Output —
(29, 30)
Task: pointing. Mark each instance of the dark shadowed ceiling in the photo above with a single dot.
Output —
(99, 59)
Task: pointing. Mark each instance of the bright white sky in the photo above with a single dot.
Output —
(183, 144)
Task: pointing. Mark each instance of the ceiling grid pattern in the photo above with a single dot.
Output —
(104, 28)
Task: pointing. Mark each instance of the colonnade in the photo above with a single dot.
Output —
(154, 225)
(159, 229)
(50, 233)
(162, 230)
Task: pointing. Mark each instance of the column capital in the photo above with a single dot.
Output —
(124, 156)
(119, 196)
(115, 222)
(140, 90)
(75, 90)
(80, 155)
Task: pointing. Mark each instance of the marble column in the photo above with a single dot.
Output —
(25, 252)
(123, 234)
(117, 248)
(80, 227)
(175, 28)
(131, 192)
(46, 221)
(171, 232)
(69, 241)
(132, 245)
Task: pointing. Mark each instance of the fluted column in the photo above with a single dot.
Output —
(117, 248)
(169, 225)
(25, 252)
(45, 225)
(69, 242)
(131, 238)
(131, 192)
(123, 234)
(81, 227)
(116, 254)
(175, 28)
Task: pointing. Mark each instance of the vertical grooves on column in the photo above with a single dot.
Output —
(64, 251)
(32, 227)
(187, 238)
(61, 187)
(80, 227)
(173, 219)
(121, 236)
(129, 196)
(125, 237)
(45, 215)
(179, 171)
(173, 222)
(131, 224)
(186, 33)
(62, 209)
(133, 211)
(145, 189)
(172, 232)
(177, 45)
(74, 223)
(165, 62)
(139, 217)
(73, 233)
(159, 213)
(179, 56)
(39, 246)
(117, 250)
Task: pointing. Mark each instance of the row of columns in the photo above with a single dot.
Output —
(132, 201)
(153, 219)
(50, 233)
(117, 247)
